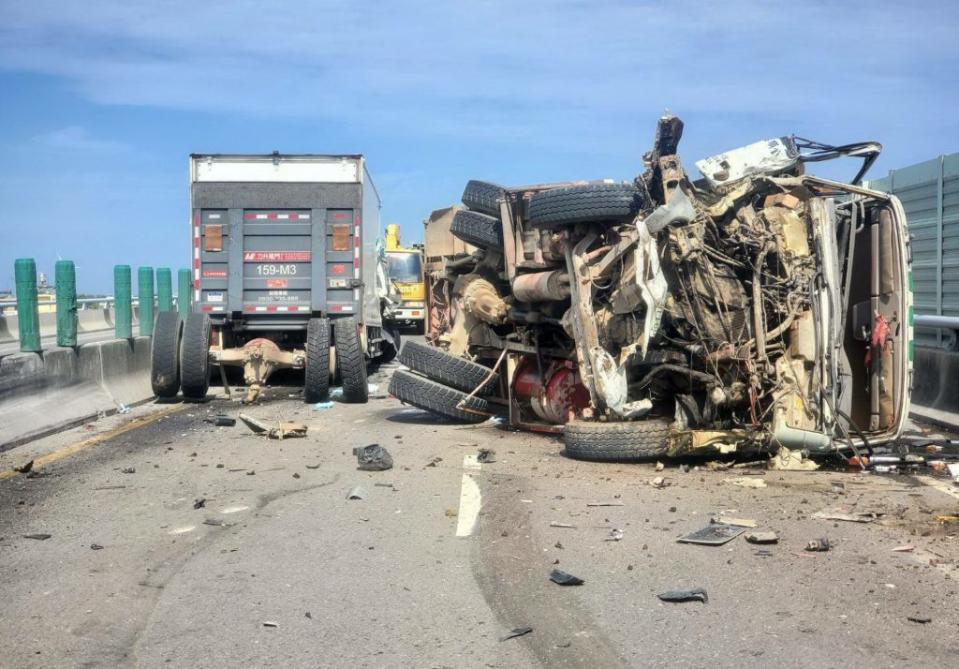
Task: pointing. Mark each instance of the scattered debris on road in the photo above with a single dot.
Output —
(270, 623)
(285, 430)
(741, 522)
(847, 517)
(128, 470)
(605, 504)
(712, 535)
(788, 460)
(199, 503)
(818, 545)
(659, 482)
(615, 535)
(221, 420)
(215, 522)
(373, 458)
(516, 632)
(762, 537)
(24, 468)
(693, 595)
(486, 456)
(96, 547)
(908, 548)
(562, 578)
(917, 619)
(747, 482)
(357, 492)
(556, 523)
(39, 536)
(320, 406)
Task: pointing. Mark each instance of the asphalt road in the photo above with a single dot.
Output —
(278, 568)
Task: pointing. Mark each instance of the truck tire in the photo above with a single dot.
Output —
(195, 356)
(632, 441)
(477, 229)
(434, 397)
(446, 368)
(482, 196)
(165, 355)
(557, 207)
(350, 361)
(316, 376)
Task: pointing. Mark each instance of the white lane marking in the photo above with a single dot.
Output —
(471, 500)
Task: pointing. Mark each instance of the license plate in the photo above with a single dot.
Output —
(214, 297)
(276, 270)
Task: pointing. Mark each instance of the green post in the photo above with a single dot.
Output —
(65, 275)
(184, 293)
(164, 289)
(28, 315)
(145, 296)
(123, 301)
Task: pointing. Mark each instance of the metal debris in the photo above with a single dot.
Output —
(818, 545)
(221, 420)
(357, 492)
(373, 458)
(486, 456)
(516, 632)
(712, 535)
(39, 536)
(199, 503)
(562, 578)
(693, 595)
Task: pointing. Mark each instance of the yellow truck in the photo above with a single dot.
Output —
(405, 272)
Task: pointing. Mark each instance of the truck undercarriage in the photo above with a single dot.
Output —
(757, 308)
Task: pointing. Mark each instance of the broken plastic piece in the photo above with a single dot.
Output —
(712, 535)
(818, 545)
(373, 458)
(562, 578)
(518, 631)
(358, 492)
(693, 595)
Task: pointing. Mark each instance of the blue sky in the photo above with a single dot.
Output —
(102, 102)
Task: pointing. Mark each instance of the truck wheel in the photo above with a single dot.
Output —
(446, 368)
(350, 361)
(165, 355)
(435, 397)
(482, 196)
(195, 356)
(477, 229)
(316, 377)
(632, 441)
(557, 207)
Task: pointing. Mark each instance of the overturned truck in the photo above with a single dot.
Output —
(753, 309)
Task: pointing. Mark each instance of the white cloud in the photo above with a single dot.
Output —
(76, 138)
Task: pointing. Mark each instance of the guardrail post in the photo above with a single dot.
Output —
(123, 301)
(28, 315)
(184, 293)
(164, 289)
(65, 277)
(145, 297)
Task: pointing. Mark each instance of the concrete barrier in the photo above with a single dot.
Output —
(88, 320)
(935, 389)
(42, 393)
(9, 329)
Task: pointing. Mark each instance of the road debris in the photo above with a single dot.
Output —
(486, 456)
(954, 471)
(357, 492)
(712, 535)
(747, 482)
(605, 504)
(516, 632)
(128, 470)
(908, 548)
(615, 535)
(24, 468)
(316, 466)
(215, 522)
(221, 420)
(788, 460)
(741, 522)
(917, 619)
(270, 623)
(847, 517)
(818, 545)
(285, 430)
(451, 513)
(39, 536)
(199, 503)
(562, 578)
(96, 547)
(660, 466)
(659, 482)
(556, 523)
(319, 406)
(762, 537)
(693, 595)
(373, 458)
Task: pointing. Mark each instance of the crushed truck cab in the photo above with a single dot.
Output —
(286, 274)
(756, 308)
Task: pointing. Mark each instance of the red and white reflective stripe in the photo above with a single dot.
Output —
(273, 308)
(207, 308)
(273, 216)
(339, 308)
(356, 252)
(196, 257)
